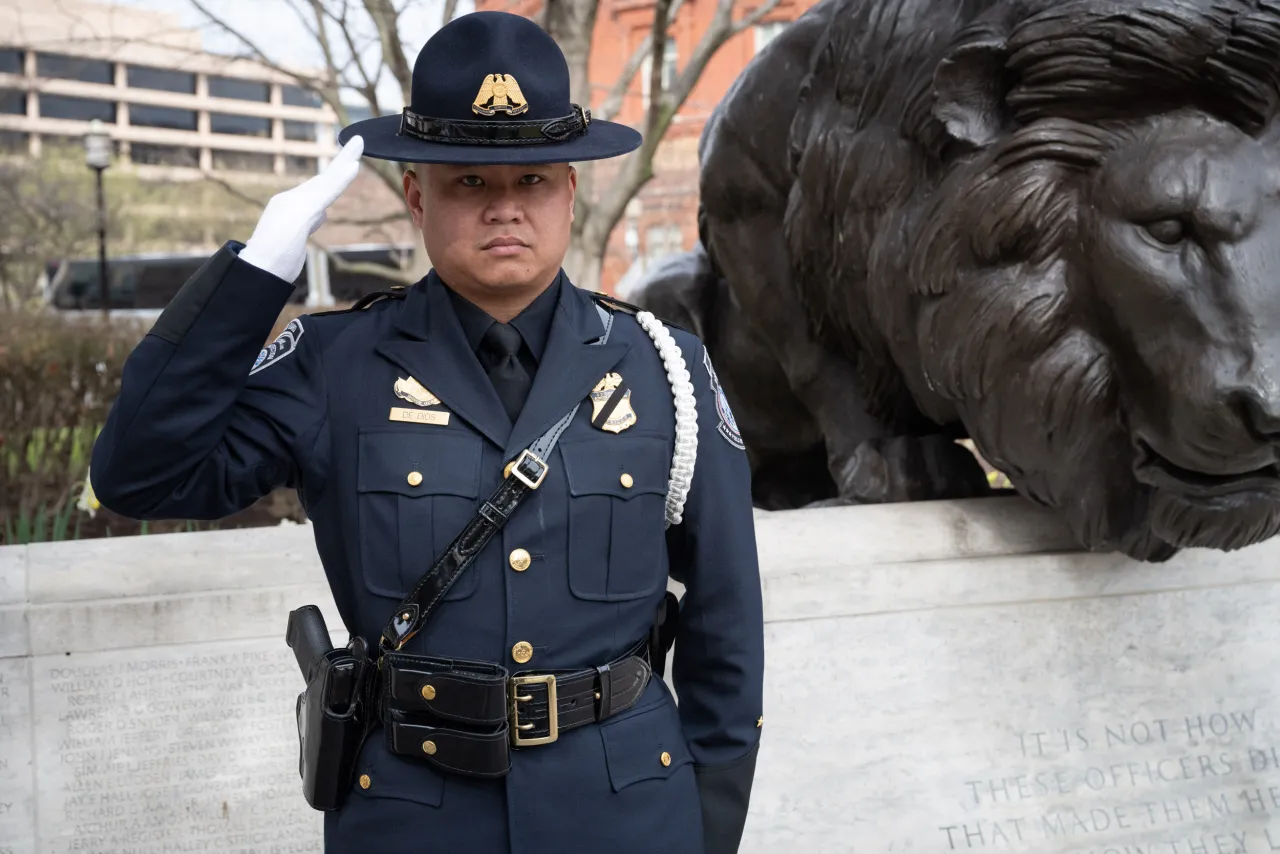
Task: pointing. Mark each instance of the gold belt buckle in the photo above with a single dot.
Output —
(553, 712)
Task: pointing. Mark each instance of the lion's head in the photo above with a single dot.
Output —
(1096, 287)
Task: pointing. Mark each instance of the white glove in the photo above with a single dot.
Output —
(279, 241)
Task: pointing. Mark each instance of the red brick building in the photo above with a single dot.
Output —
(662, 219)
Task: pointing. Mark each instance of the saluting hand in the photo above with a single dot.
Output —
(279, 241)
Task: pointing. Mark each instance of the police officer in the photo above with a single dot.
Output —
(395, 419)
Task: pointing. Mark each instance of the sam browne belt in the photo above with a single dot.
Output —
(464, 717)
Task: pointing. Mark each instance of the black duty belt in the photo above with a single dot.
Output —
(464, 717)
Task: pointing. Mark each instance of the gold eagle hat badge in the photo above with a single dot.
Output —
(499, 93)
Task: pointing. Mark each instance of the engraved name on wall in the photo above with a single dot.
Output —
(171, 749)
(16, 806)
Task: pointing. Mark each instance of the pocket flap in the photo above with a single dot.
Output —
(382, 774)
(415, 464)
(622, 467)
(637, 747)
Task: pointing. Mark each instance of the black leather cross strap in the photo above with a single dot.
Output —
(423, 696)
(525, 474)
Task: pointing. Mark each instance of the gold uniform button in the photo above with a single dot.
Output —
(520, 560)
(429, 748)
(415, 478)
(627, 480)
(666, 758)
(365, 782)
(428, 692)
(522, 652)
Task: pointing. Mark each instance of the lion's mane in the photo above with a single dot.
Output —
(969, 252)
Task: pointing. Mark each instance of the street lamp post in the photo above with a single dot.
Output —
(97, 154)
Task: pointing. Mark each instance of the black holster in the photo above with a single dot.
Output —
(666, 625)
(333, 712)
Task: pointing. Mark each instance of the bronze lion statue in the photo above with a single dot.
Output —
(1049, 226)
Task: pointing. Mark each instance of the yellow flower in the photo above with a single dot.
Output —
(88, 501)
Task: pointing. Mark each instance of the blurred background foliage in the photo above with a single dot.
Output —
(58, 378)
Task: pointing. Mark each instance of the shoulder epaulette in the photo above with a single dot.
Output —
(627, 308)
(615, 303)
(394, 292)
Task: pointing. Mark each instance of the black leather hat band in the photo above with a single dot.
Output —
(488, 132)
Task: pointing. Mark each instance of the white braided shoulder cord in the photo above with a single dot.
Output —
(686, 450)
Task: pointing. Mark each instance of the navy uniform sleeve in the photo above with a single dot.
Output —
(200, 430)
(718, 662)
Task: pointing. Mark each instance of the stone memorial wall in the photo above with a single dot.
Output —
(940, 677)
(147, 695)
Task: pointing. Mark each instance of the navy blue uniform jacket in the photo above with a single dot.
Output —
(200, 431)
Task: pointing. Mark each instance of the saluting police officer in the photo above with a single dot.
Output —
(398, 419)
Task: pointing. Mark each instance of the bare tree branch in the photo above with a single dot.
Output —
(233, 190)
(330, 88)
(450, 10)
(257, 52)
(369, 89)
(317, 35)
(658, 41)
(368, 221)
(236, 192)
(572, 24)
(592, 230)
(612, 103)
(721, 30)
(386, 20)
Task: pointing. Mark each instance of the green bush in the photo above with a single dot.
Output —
(58, 378)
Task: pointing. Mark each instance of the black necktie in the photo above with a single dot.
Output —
(500, 347)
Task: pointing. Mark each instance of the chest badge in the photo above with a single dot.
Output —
(415, 392)
(611, 405)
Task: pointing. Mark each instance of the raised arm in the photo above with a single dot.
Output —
(207, 421)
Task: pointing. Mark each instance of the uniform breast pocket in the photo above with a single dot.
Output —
(416, 493)
(617, 500)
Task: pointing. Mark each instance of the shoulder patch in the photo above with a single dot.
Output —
(728, 426)
(284, 344)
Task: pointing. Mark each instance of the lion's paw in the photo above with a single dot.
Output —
(910, 468)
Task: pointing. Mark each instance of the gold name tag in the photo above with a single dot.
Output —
(418, 416)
